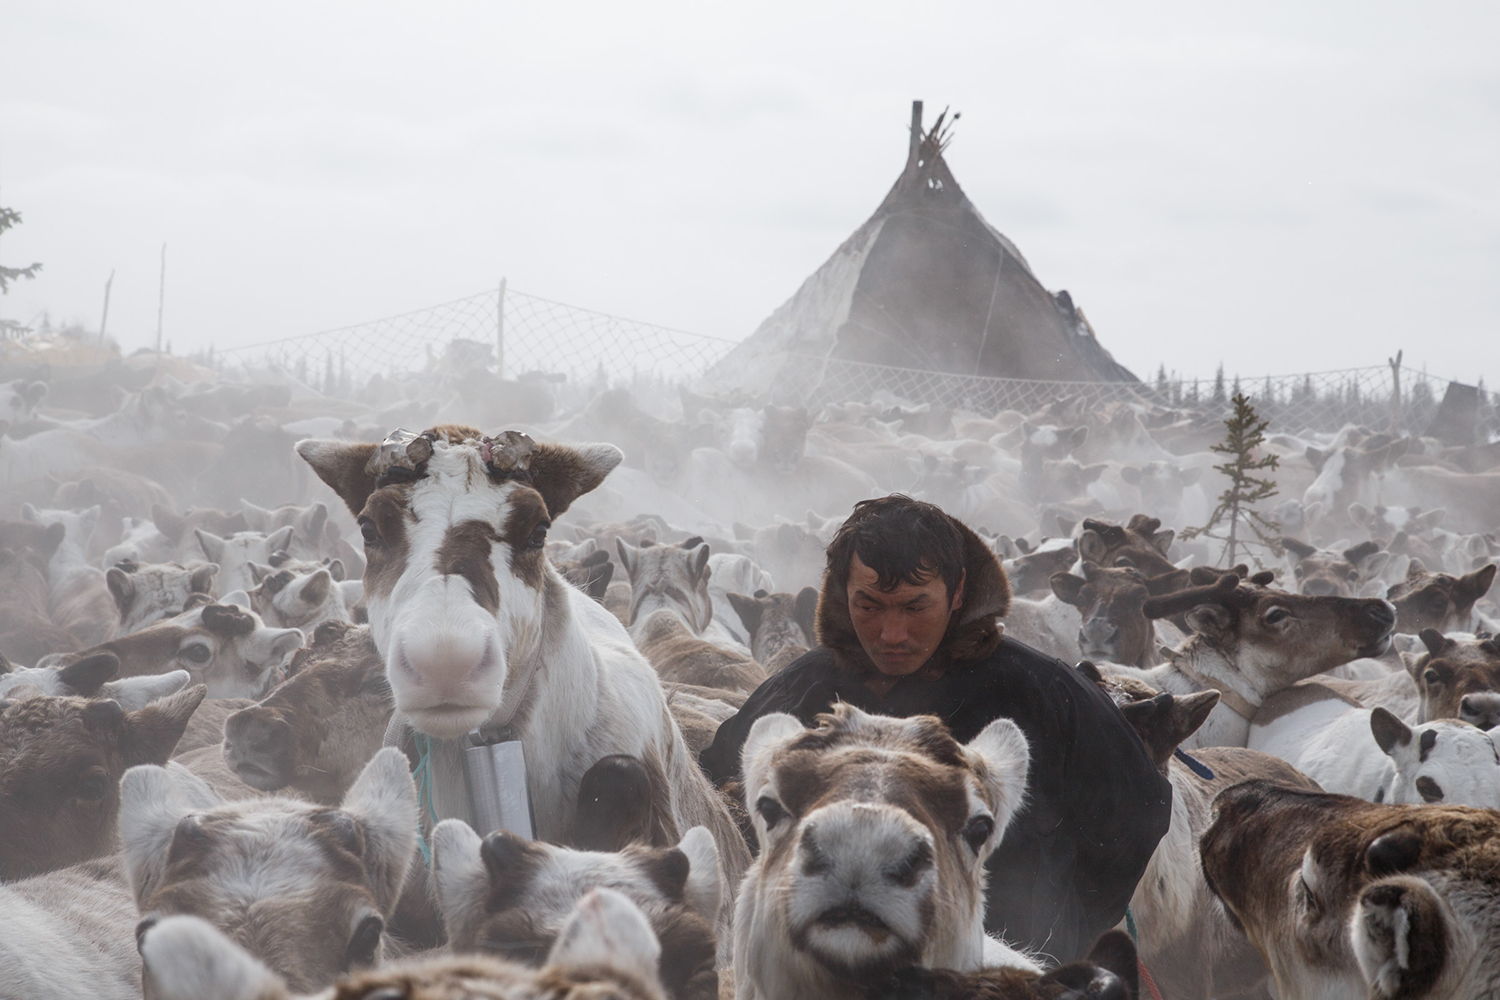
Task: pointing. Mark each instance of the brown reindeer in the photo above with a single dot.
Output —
(1113, 628)
(1141, 543)
(605, 951)
(61, 759)
(512, 897)
(1458, 679)
(1348, 898)
(1339, 574)
(1109, 972)
(780, 625)
(315, 732)
(305, 888)
(26, 630)
(225, 647)
(1439, 601)
(1190, 947)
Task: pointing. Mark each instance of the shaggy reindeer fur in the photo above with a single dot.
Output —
(61, 760)
(315, 732)
(1349, 899)
(606, 951)
(145, 594)
(512, 897)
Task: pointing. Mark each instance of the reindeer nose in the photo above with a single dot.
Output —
(1481, 709)
(1320, 588)
(1099, 631)
(1383, 613)
(255, 730)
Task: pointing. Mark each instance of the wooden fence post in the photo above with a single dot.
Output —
(1395, 364)
(500, 331)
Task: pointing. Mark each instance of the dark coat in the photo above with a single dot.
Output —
(1096, 804)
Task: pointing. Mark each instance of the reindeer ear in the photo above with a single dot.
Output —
(806, 612)
(187, 958)
(1131, 475)
(279, 539)
(563, 473)
(1211, 621)
(121, 588)
(155, 729)
(1389, 731)
(201, 580)
(1002, 748)
(748, 608)
(341, 464)
(1475, 585)
(87, 674)
(153, 802)
(1316, 458)
(1091, 547)
(628, 554)
(1163, 540)
(135, 693)
(607, 931)
(171, 525)
(1401, 933)
(383, 800)
(1067, 587)
(701, 890)
(459, 879)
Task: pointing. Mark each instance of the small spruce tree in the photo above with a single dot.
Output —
(10, 218)
(1245, 432)
(1219, 384)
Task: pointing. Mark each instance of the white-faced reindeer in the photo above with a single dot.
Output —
(479, 632)
(874, 833)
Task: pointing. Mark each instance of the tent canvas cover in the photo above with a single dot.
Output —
(926, 283)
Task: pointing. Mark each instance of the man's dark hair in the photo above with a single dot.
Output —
(901, 539)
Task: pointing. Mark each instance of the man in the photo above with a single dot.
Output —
(907, 626)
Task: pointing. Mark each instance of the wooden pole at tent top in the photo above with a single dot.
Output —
(916, 130)
(104, 318)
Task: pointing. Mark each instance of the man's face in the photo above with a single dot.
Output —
(901, 628)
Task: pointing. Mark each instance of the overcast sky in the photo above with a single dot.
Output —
(1283, 187)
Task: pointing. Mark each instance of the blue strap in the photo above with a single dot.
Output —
(423, 775)
(1130, 926)
(1196, 766)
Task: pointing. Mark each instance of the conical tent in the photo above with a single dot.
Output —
(925, 284)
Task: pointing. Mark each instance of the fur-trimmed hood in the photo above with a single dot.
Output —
(973, 633)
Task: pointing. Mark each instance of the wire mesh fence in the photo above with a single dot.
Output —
(523, 333)
(518, 334)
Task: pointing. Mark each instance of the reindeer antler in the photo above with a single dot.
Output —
(1186, 600)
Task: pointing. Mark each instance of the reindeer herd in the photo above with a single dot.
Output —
(250, 632)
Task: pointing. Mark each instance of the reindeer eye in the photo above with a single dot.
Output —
(368, 530)
(196, 653)
(1277, 614)
(978, 830)
(770, 810)
(93, 788)
(1433, 678)
(538, 536)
